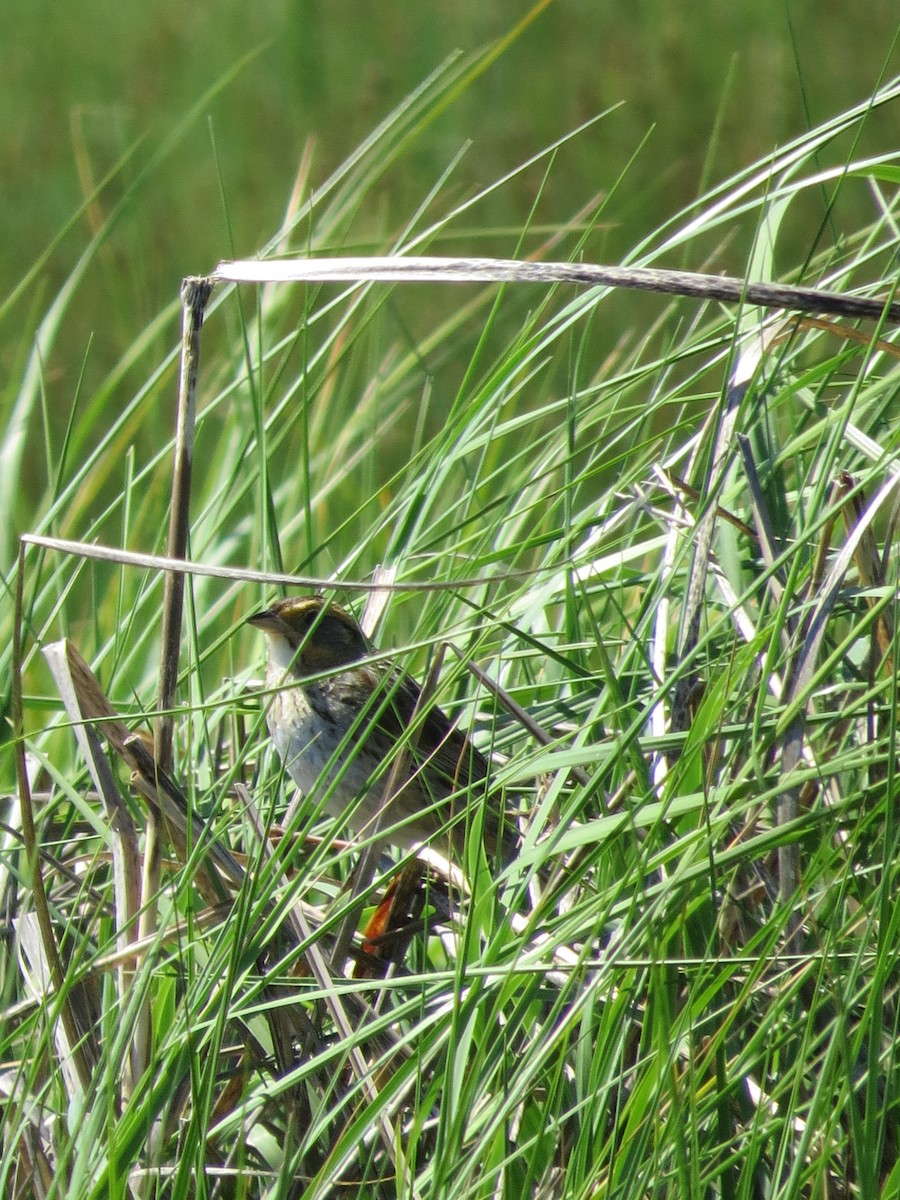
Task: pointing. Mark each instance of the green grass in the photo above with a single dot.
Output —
(672, 1019)
(698, 94)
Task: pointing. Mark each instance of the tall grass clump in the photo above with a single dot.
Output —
(669, 543)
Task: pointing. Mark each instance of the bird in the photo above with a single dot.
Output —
(336, 717)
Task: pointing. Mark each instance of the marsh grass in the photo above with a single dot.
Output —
(704, 1001)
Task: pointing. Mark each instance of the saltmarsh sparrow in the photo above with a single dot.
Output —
(336, 718)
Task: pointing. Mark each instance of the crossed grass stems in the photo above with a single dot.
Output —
(765, 881)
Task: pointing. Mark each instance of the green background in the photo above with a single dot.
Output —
(705, 88)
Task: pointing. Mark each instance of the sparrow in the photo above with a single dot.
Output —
(339, 720)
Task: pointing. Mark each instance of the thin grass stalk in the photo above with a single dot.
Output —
(411, 268)
(32, 850)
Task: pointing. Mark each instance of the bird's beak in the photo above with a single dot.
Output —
(267, 621)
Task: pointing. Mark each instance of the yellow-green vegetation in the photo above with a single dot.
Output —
(663, 529)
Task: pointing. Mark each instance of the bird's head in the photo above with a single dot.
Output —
(309, 635)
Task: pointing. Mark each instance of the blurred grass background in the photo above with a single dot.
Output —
(704, 88)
